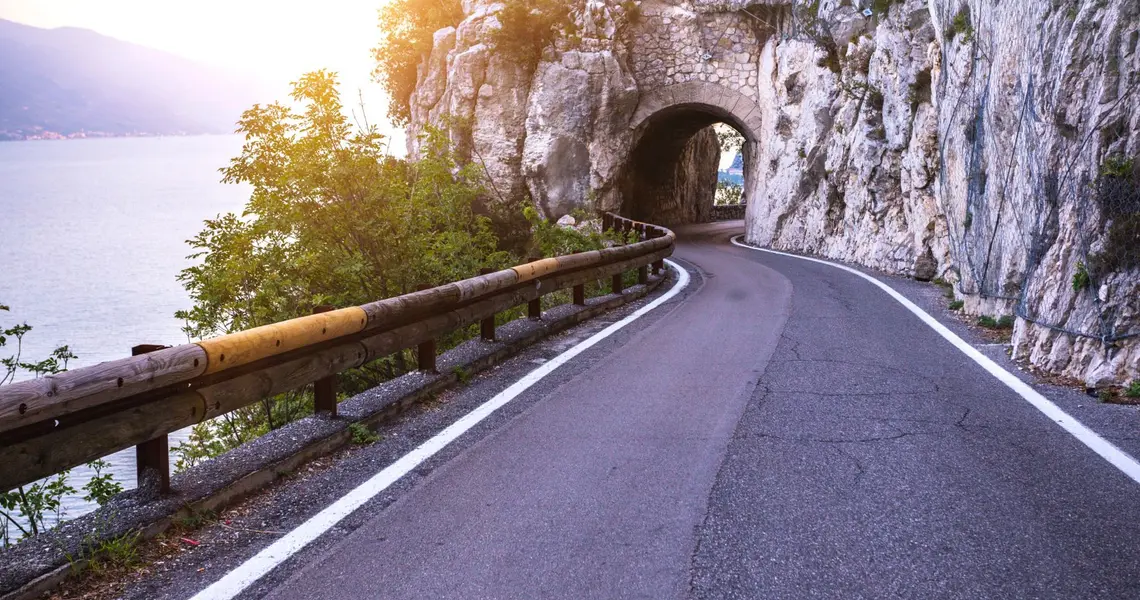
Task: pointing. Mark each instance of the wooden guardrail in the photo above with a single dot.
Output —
(60, 421)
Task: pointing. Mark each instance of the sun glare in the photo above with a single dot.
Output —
(273, 41)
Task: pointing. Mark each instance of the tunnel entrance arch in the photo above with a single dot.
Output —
(668, 177)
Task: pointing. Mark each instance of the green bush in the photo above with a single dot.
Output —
(957, 304)
(960, 25)
(1004, 322)
(1133, 389)
(529, 27)
(1081, 279)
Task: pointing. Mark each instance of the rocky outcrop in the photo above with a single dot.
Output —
(956, 139)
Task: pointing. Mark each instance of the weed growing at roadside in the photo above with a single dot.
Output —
(957, 305)
(1005, 322)
(361, 435)
(1105, 395)
(1133, 389)
(462, 375)
(196, 518)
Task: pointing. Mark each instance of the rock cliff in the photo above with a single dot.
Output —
(987, 142)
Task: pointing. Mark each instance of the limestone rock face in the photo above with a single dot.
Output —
(963, 140)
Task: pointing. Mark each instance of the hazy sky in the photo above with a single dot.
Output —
(273, 40)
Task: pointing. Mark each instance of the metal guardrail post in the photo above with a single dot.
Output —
(324, 389)
(426, 358)
(487, 326)
(152, 457)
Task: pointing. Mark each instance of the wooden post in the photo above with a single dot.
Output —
(643, 274)
(426, 349)
(152, 457)
(487, 326)
(616, 284)
(324, 389)
(658, 266)
(607, 222)
(534, 307)
(579, 291)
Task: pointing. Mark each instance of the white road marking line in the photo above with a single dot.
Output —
(240, 578)
(1115, 456)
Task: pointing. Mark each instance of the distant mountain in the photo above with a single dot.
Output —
(75, 82)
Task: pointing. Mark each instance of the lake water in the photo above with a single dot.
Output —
(92, 237)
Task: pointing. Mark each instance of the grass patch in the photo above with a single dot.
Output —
(196, 518)
(1003, 322)
(957, 304)
(361, 435)
(1133, 389)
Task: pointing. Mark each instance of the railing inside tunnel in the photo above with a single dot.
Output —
(61, 421)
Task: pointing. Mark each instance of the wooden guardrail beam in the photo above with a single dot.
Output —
(70, 418)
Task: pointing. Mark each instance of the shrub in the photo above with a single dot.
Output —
(1081, 279)
(1133, 389)
(529, 27)
(957, 304)
(361, 435)
(960, 25)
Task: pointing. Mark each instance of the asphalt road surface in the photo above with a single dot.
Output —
(785, 431)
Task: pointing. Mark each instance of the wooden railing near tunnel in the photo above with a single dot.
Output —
(60, 421)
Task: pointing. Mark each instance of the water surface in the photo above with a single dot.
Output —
(92, 237)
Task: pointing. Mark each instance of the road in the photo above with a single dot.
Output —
(786, 430)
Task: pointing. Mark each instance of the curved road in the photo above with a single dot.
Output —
(786, 430)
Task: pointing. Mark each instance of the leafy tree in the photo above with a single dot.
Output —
(406, 30)
(332, 220)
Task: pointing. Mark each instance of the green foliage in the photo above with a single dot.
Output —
(1133, 389)
(728, 193)
(1004, 322)
(1118, 166)
(12, 365)
(206, 441)
(194, 519)
(1081, 279)
(113, 554)
(731, 140)
(102, 486)
(960, 25)
(463, 376)
(969, 219)
(27, 507)
(529, 27)
(1105, 395)
(406, 30)
(957, 304)
(549, 239)
(361, 435)
(332, 219)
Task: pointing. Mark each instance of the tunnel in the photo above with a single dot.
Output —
(670, 176)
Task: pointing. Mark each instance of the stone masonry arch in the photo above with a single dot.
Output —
(670, 175)
(727, 104)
